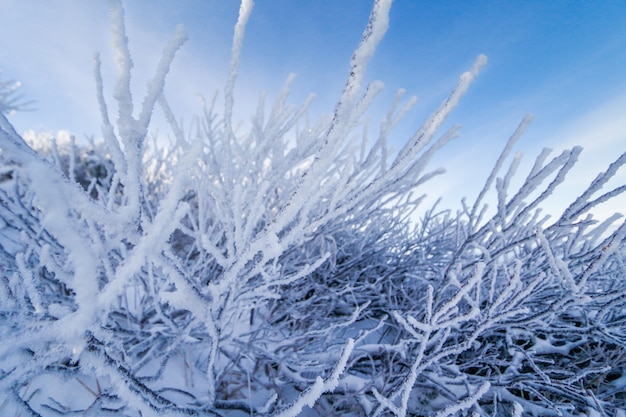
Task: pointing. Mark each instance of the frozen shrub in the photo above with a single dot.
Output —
(277, 271)
(519, 313)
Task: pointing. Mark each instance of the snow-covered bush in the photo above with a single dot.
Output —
(279, 270)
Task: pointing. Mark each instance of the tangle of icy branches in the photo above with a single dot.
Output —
(277, 270)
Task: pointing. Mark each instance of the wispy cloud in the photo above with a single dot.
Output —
(49, 47)
(602, 134)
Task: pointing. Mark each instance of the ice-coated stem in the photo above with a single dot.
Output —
(132, 132)
(314, 392)
(245, 9)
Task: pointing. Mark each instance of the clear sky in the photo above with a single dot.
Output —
(563, 61)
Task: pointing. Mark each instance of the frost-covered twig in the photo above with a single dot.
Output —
(313, 393)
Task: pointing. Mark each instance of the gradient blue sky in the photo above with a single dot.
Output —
(563, 61)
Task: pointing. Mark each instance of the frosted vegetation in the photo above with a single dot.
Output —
(278, 269)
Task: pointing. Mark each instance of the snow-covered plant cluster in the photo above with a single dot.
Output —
(9, 100)
(279, 269)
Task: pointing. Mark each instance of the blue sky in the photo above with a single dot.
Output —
(563, 61)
